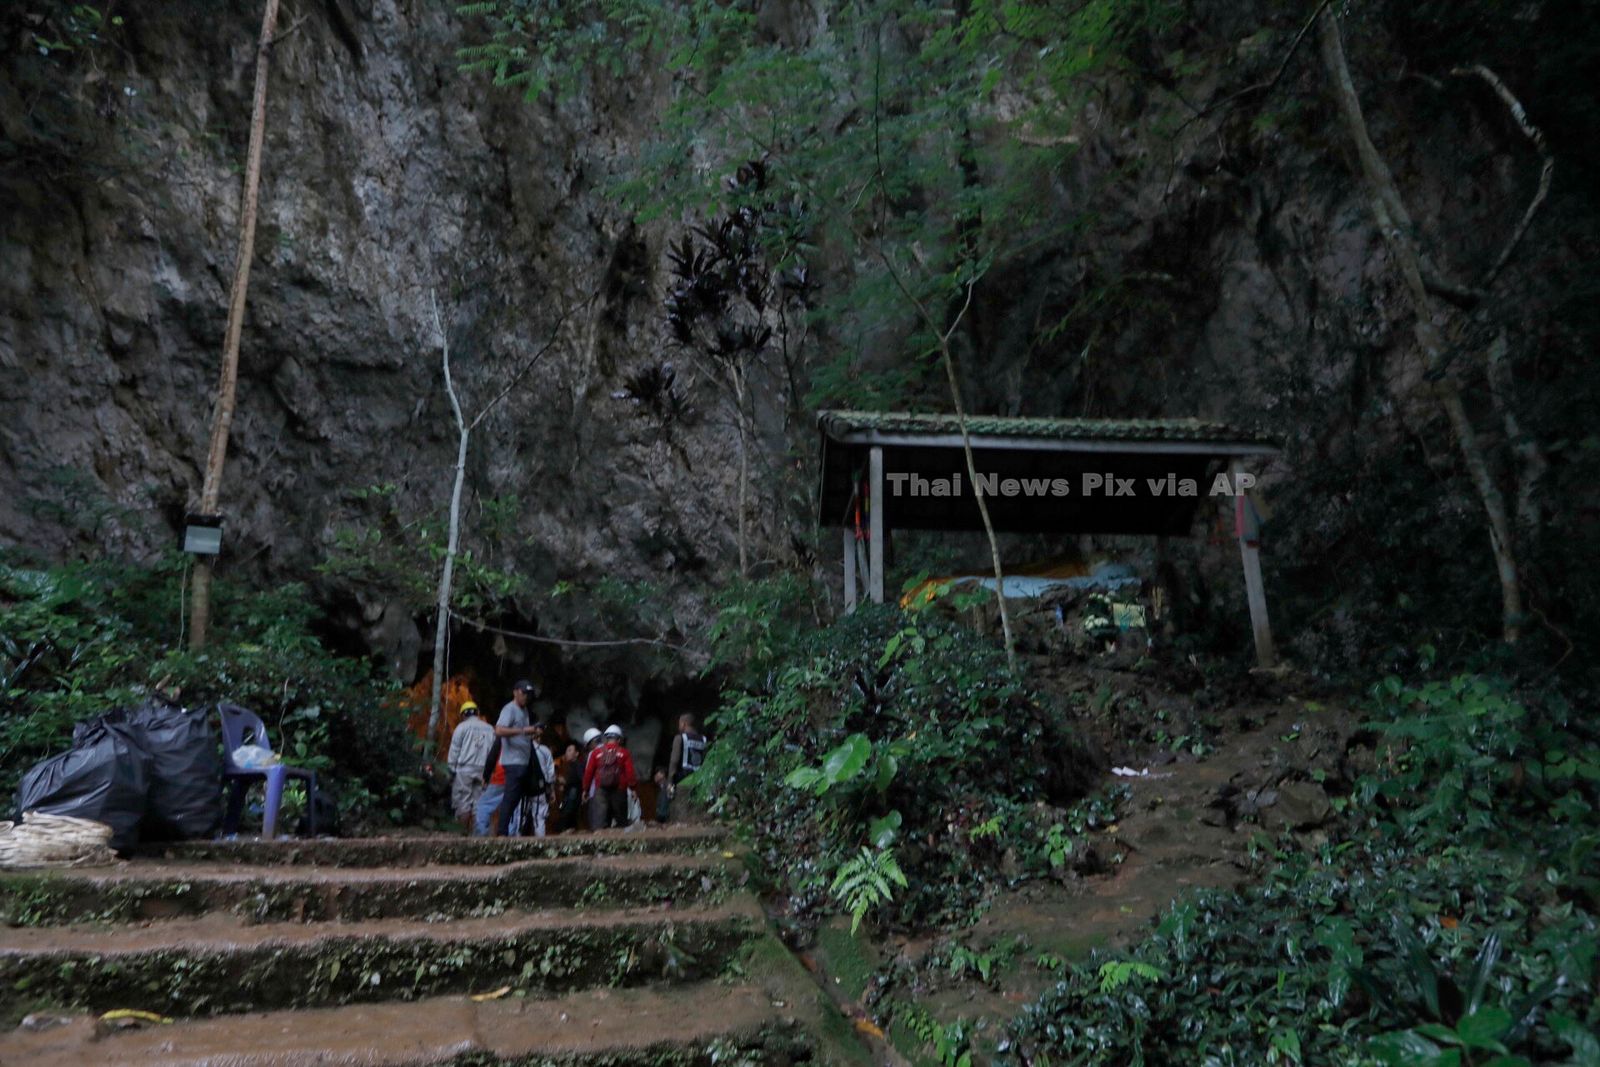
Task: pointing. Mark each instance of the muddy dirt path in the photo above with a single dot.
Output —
(1184, 823)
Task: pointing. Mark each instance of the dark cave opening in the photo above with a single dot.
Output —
(579, 686)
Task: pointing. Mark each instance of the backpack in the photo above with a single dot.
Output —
(609, 769)
(533, 781)
(694, 752)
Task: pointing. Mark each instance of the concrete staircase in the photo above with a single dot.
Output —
(616, 949)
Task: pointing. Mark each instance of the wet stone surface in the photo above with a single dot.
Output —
(612, 949)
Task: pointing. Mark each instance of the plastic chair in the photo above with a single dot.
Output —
(241, 726)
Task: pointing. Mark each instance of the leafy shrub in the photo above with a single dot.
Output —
(889, 731)
(1467, 756)
(759, 623)
(78, 640)
(1453, 931)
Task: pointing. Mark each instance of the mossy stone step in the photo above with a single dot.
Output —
(422, 850)
(158, 889)
(216, 964)
(681, 1026)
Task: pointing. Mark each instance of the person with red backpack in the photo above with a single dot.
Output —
(607, 777)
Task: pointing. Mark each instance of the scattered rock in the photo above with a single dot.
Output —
(1299, 806)
(1010, 865)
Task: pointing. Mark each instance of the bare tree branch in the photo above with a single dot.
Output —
(1260, 87)
(532, 361)
(441, 626)
(1522, 444)
(943, 338)
(1519, 115)
(1394, 223)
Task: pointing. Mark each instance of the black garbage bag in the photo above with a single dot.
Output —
(185, 771)
(104, 776)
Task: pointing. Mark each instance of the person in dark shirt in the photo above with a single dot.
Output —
(571, 774)
(688, 752)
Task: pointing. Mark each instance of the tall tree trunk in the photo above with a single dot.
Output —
(222, 414)
(442, 624)
(983, 508)
(744, 474)
(1394, 222)
(1524, 448)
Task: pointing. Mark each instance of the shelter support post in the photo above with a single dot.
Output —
(875, 544)
(849, 569)
(1254, 588)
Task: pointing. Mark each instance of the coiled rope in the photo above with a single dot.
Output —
(41, 840)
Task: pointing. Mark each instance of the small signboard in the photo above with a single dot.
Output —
(202, 534)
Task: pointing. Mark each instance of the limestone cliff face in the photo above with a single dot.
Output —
(1230, 270)
(388, 176)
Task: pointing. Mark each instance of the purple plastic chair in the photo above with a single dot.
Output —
(241, 726)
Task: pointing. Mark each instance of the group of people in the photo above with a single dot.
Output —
(506, 781)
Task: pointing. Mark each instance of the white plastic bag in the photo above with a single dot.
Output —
(635, 812)
(254, 757)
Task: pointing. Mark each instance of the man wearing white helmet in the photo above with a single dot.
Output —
(607, 777)
(592, 739)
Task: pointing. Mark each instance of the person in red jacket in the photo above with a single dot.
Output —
(607, 777)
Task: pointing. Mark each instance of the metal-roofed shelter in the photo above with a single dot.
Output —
(903, 470)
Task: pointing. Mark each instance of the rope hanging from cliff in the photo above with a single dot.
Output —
(567, 642)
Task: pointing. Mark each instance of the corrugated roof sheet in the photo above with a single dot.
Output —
(840, 423)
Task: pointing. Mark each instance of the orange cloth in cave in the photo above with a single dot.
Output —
(455, 692)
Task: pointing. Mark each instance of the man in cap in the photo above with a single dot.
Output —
(469, 748)
(516, 752)
(607, 778)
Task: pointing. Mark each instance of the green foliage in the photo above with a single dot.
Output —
(865, 881)
(951, 1043)
(924, 132)
(839, 766)
(759, 621)
(1114, 974)
(79, 640)
(384, 549)
(885, 730)
(1468, 759)
(1460, 933)
(628, 607)
(59, 29)
(556, 47)
(986, 966)
(1463, 1021)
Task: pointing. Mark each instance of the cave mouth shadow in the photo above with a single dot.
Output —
(579, 688)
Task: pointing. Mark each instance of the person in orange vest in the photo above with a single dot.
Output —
(607, 777)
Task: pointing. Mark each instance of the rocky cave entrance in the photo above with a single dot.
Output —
(640, 690)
